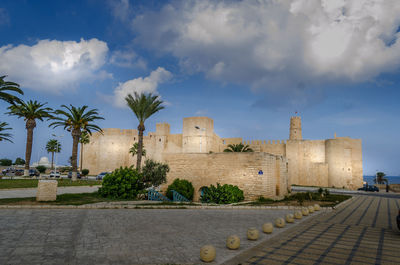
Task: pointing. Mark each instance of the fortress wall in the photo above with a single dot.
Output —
(345, 162)
(239, 169)
(109, 151)
(319, 174)
(174, 143)
(282, 176)
(197, 135)
(301, 155)
(274, 147)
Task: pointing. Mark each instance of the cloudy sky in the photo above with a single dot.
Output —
(249, 65)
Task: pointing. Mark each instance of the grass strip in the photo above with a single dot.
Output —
(33, 183)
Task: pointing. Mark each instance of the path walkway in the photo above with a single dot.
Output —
(361, 232)
(31, 192)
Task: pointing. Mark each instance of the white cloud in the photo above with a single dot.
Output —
(127, 58)
(52, 65)
(148, 84)
(120, 9)
(277, 44)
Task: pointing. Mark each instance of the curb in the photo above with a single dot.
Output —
(133, 206)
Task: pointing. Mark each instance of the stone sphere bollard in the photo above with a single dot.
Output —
(317, 207)
(310, 209)
(279, 222)
(289, 218)
(252, 234)
(304, 211)
(268, 228)
(298, 215)
(207, 253)
(233, 242)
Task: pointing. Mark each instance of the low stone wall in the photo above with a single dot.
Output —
(394, 187)
(47, 190)
(257, 174)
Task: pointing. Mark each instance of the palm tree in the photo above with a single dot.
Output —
(143, 105)
(85, 139)
(76, 120)
(380, 178)
(53, 146)
(134, 150)
(238, 148)
(3, 135)
(30, 111)
(10, 86)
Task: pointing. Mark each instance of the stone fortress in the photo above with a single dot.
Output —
(197, 155)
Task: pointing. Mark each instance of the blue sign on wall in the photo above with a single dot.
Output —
(260, 172)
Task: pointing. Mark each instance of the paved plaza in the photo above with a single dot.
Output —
(124, 236)
(363, 231)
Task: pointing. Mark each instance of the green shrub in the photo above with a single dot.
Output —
(41, 169)
(64, 169)
(182, 186)
(19, 161)
(262, 199)
(85, 172)
(122, 183)
(5, 162)
(154, 173)
(221, 194)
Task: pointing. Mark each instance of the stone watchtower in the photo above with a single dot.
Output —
(295, 128)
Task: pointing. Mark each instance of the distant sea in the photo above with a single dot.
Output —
(391, 179)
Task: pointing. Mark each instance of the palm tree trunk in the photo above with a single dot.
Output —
(30, 125)
(75, 141)
(141, 129)
(52, 159)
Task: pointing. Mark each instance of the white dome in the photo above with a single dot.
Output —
(44, 161)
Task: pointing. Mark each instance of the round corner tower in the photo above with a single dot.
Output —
(295, 128)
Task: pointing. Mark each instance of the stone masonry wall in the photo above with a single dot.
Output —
(241, 169)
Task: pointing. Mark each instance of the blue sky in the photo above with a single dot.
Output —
(248, 65)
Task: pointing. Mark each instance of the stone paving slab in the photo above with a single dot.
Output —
(130, 236)
(363, 231)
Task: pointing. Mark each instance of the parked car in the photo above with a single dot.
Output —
(78, 175)
(398, 220)
(19, 172)
(54, 174)
(369, 188)
(102, 175)
(34, 173)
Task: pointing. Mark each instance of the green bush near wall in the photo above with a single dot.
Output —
(182, 186)
(122, 183)
(224, 194)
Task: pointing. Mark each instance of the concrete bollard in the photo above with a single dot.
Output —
(279, 222)
(304, 211)
(46, 190)
(310, 209)
(289, 218)
(317, 207)
(267, 228)
(207, 253)
(233, 242)
(252, 233)
(298, 215)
